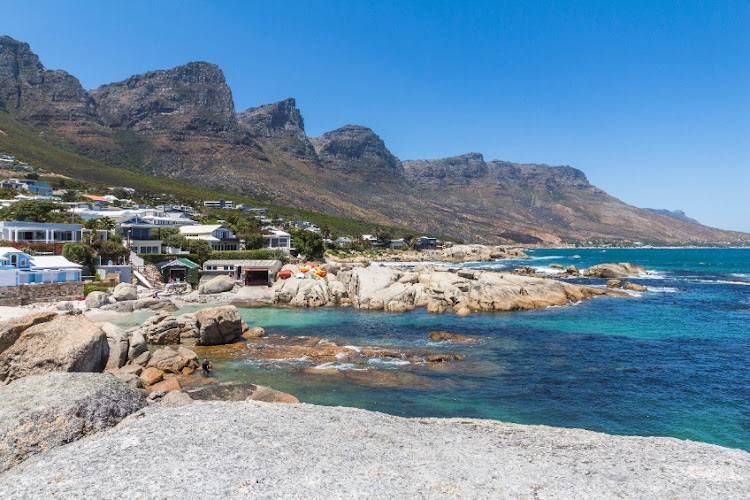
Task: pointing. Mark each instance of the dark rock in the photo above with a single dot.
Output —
(443, 358)
(440, 336)
(239, 392)
(41, 412)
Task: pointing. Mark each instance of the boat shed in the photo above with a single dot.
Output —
(179, 270)
(249, 272)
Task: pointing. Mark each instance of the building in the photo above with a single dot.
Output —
(219, 237)
(250, 272)
(374, 240)
(19, 268)
(40, 232)
(342, 241)
(99, 201)
(170, 219)
(179, 270)
(277, 240)
(140, 235)
(397, 244)
(219, 204)
(425, 242)
(40, 188)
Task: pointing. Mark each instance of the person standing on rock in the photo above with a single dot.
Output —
(206, 365)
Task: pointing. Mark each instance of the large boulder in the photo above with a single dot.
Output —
(95, 300)
(117, 339)
(188, 328)
(12, 329)
(161, 329)
(125, 291)
(40, 412)
(614, 270)
(307, 451)
(137, 345)
(167, 360)
(67, 343)
(218, 284)
(218, 325)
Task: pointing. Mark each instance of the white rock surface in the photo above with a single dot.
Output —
(96, 299)
(125, 291)
(265, 450)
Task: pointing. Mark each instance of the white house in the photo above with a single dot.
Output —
(139, 234)
(277, 240)
(217, 235)
(39, 232)
(19, 268)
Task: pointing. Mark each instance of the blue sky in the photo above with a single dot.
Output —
(650, 99)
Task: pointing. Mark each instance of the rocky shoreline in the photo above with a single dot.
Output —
(394, 289)
(75, 391)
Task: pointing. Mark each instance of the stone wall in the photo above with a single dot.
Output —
(40, 292)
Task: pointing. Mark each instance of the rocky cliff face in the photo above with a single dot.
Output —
(280, 123)
(193, 97)
(446, 171)
(38, 94)
(181, 123)
(356, 149)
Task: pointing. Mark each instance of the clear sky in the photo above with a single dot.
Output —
(651, 99)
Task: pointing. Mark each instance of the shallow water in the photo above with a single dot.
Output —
(672, 361)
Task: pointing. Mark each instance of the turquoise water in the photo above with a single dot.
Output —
(672, 361)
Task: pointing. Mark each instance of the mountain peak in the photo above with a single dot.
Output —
(281, 122)
(193, 96)
(356, 149)
(36, 93)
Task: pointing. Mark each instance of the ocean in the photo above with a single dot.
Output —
(671, 361)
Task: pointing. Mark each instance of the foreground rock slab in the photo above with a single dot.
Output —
(303, 451)
(41, 412)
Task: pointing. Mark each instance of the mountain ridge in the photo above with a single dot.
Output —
(181, 123)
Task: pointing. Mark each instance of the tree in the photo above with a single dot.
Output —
(411, 241)
(253, 241)
(78, 253)
(70, 195)
(308, 244)
(201, 248)
(166, 232)
(176, 241)
(34, 211)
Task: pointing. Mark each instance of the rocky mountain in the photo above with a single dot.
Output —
(355, 149)
(280, 124)
(675, 214)
(182, 123)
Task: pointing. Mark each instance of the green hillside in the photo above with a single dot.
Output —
(32, 147)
